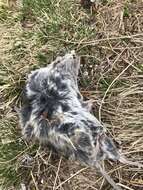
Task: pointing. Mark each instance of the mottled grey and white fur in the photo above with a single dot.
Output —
(55, 114)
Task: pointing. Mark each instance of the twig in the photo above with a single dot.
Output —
(78, 172)
(102, 101)
(94, 42)
(125, 186)
(34, 181)
(54, 187)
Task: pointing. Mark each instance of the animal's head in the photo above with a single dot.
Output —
(64, 70)
(68, 64)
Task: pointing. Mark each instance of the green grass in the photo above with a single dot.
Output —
(126, 12)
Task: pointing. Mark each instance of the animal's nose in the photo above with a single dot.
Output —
(73, 53)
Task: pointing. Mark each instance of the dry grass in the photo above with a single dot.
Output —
(110, 37)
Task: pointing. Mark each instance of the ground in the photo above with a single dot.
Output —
(109, 36)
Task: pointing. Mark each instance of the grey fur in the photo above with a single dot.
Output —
(57, 115)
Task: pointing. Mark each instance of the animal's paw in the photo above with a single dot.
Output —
(28, 132)
(41, 130)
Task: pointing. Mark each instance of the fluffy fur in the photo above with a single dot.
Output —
(55, 114)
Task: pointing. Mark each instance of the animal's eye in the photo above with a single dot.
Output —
(63, 86)
(43, 99)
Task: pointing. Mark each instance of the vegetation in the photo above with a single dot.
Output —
(110, 38)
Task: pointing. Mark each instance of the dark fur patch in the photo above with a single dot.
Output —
(82, 155)
(25, 114)
(58, 81)
(66, 128)
(79, 96)
(73, 113)
(84, 140)
(65, 107)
